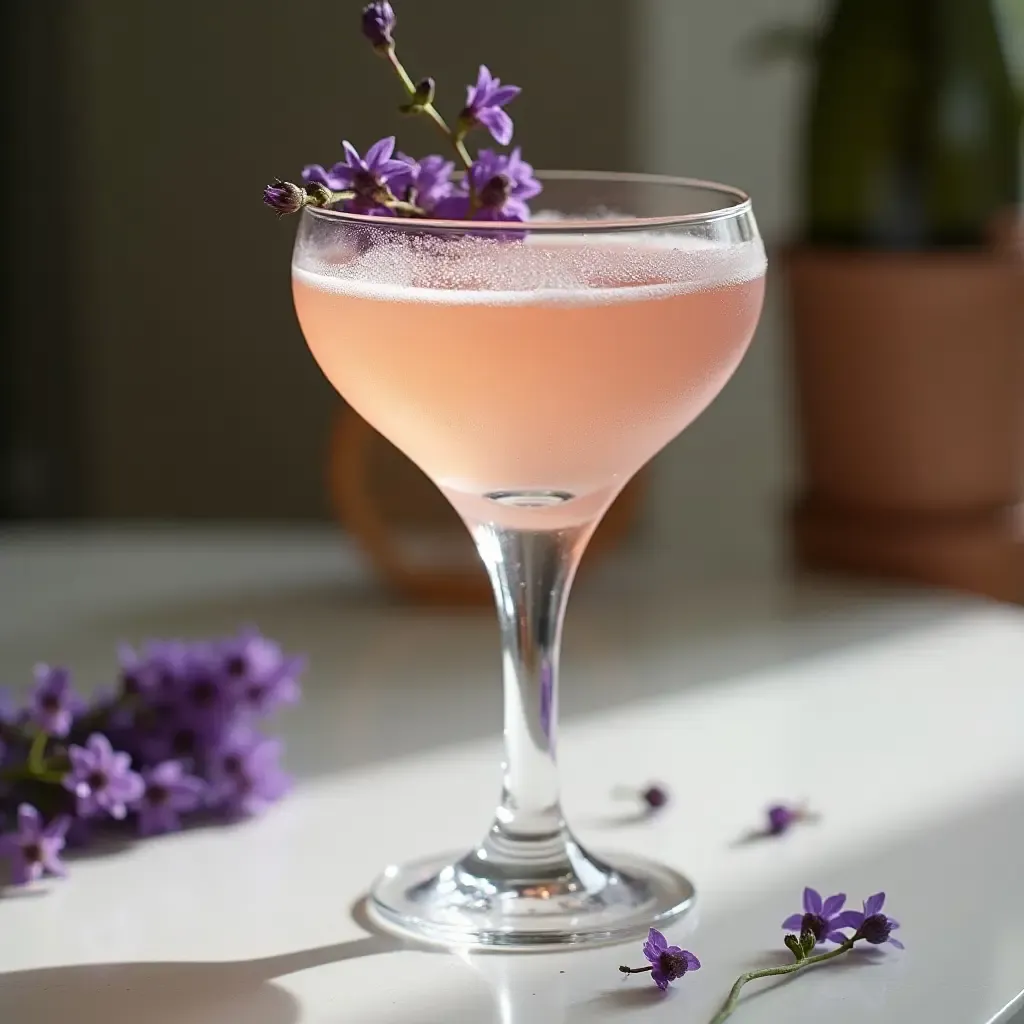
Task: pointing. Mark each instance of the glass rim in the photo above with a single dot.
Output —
(739, 207)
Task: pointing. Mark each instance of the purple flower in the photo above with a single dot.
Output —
(823, 918)
(141, 673)
(284, 197)
(170, 791)
(483, 106)
(503, 183)
(871, 924)
(428, 180)
(260, 675)
(101, 778)
(54, 703)
(655, 797)
(206, 700)
(781, 819)
(372, 177)
(244, 774)
(669, 963)
(35, 848)
(379, 21)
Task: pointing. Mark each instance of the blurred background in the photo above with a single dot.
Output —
(150, 364)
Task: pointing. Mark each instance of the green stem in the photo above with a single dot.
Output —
(454, 138)
(770, 972)
(27, 775)
(36, 761)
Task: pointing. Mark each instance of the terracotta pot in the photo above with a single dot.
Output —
(413, 538)
(909, 393)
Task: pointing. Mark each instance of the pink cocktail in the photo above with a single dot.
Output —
(530, 371)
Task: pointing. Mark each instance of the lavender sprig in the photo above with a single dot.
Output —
(495, 187)
(379, 20)
(175, 740)
(871, 926)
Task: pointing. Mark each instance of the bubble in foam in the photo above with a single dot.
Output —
(542, 267)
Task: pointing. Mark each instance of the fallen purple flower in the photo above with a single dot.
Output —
(54, 702)
(823, 918)
(101, 778)
(245, 776)
(667, 963)
(871, 924)
(34, 850)
(170, 792)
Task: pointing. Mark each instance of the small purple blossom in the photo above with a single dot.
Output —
(101, 778)
(871, 924)
(655, 797)
(244, 773)
(667, 963)
(259, 675)
(373, 177)
(503, 183)
(169, 792)
(378, 22)
(35, 848)
(428, 182)
(781, 818)
(141, 673)
(484, 102)
(823, 918)
(54, 703)
(284, 197)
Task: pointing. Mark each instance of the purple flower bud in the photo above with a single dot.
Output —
(780, 818)
(284, 197)
(655, 797)
(379, 21)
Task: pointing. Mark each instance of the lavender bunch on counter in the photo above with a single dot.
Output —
(178, 739)
(383, 183)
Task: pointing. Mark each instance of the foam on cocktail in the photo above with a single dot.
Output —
(539, 269)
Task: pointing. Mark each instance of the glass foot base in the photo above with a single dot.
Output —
(471, 903)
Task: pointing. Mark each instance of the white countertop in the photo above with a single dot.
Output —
(899, 716)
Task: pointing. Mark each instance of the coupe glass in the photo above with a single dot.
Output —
(530, 370)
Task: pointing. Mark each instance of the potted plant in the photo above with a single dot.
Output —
(907, 316)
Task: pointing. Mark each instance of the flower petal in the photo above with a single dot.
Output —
(393, 169)
(812, 901)
(793, 922)
(483, 79)
(528, 189)
(837, 937)
(58, 828)
(380, 151)
(833, 905)
(315, 172)
(893, 923)
(660, 978)
(896, 943)
(692, 963)
(498, 123)
(504, 94)
(451, 208)
(847, 919)
(52, 863)
(100, 746)
(28, 819)
(873, 904)
(353, 159)
(656, 939)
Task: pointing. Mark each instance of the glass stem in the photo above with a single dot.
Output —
(531, 572)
